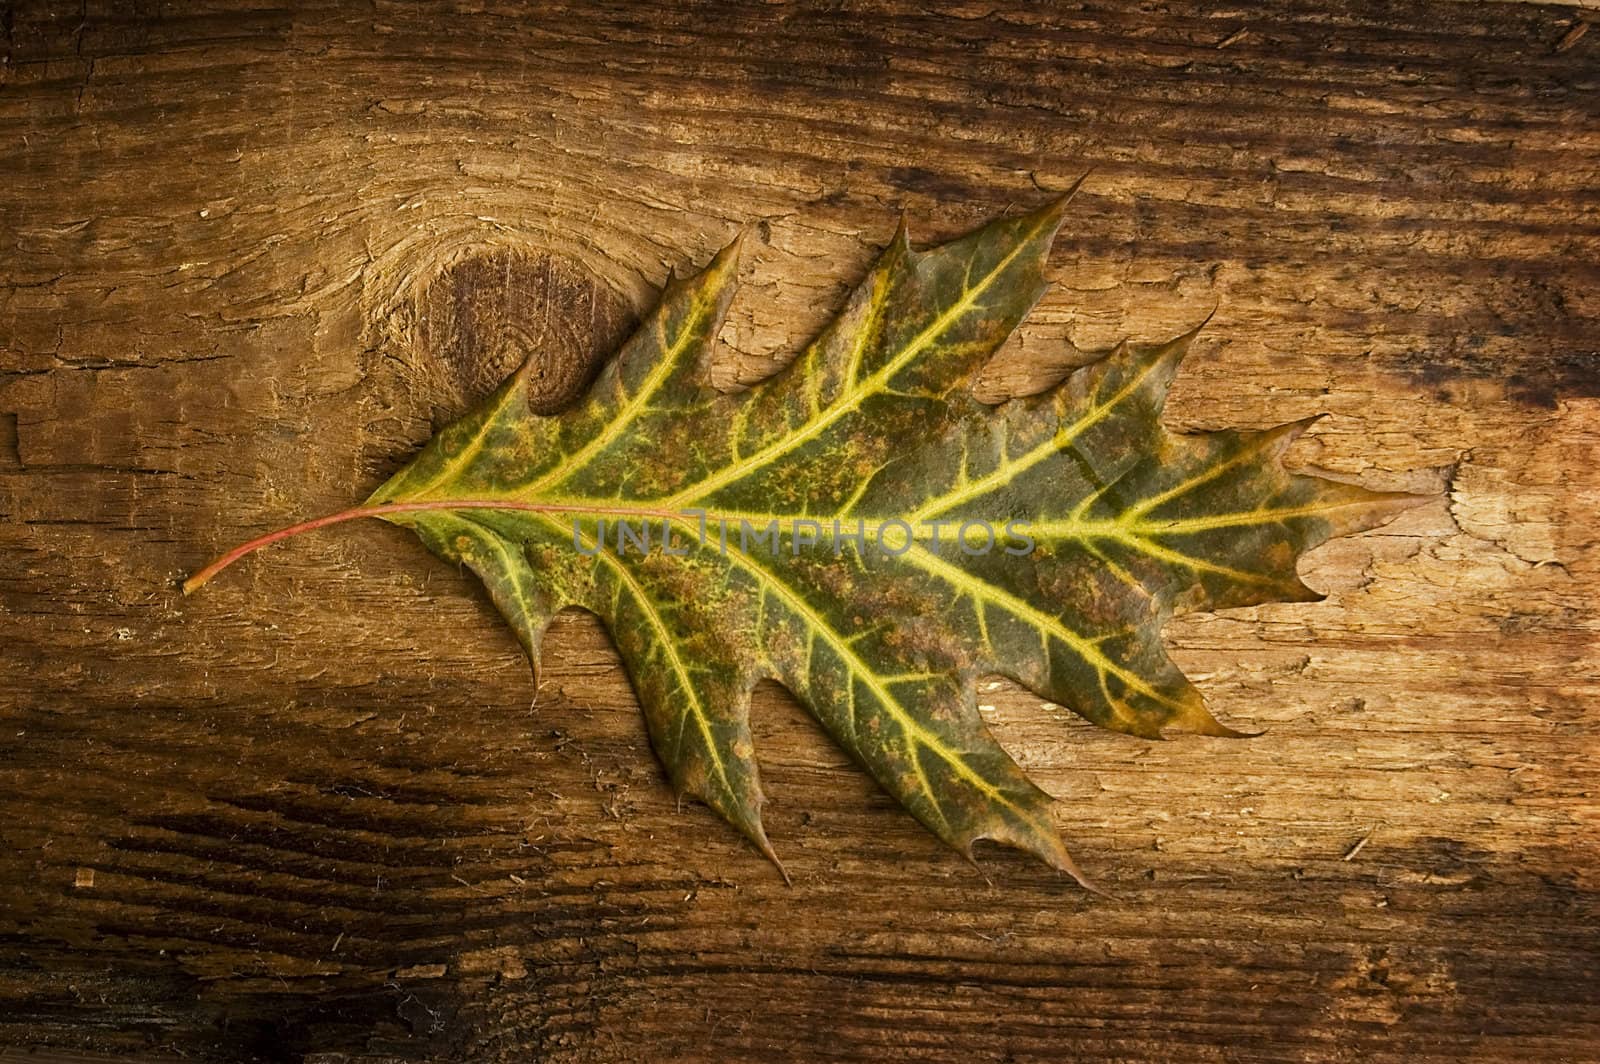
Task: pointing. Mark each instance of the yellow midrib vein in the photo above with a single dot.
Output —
(1143, 528)
(1137, 534)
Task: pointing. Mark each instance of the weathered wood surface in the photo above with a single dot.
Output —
(249, 257)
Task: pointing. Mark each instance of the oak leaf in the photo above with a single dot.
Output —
(862, 530)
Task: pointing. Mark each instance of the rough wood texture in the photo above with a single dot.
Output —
(249, 257)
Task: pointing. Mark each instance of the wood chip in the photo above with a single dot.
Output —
(1572, 36)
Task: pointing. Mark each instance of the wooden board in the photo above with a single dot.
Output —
(250, 257)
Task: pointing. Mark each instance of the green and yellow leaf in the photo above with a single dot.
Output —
(863, 531)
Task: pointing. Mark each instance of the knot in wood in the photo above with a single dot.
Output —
(485, 314)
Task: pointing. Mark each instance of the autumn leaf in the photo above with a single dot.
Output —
(863, 531)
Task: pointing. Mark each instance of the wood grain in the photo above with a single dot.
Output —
(251, 256)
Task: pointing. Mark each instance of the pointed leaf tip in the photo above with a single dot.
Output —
(1044, 843)
(1050, 216)
(732, 252)
(1214, 728)
(1187, 336)
(1058, 206)
(772, 855)
(900, 242)
(1284, 435)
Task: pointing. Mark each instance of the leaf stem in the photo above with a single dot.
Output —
(199, 579)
